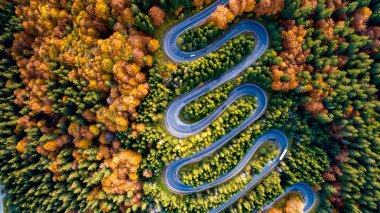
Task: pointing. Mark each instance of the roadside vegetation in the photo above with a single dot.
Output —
(198, 38)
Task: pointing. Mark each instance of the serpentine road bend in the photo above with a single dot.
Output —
(180, 129)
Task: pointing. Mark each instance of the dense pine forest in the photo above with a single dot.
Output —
(84, 85)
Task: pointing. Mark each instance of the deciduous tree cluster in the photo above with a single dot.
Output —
(81, 74)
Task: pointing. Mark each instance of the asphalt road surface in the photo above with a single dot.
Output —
(180, 129)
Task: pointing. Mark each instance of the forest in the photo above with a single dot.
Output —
(85, 85)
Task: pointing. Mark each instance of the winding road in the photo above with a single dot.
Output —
(180, 129)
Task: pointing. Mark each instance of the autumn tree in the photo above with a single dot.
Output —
(361, 17)
(221, 17)
(268, 7)
(157, 15)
